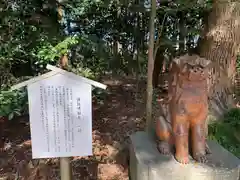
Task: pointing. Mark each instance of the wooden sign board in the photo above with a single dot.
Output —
(60, 109)
(60, 112)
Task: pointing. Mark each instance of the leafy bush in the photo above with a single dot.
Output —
(49, 54)
(227, 132)
(238, 64)
(81, 71)
(13, 103)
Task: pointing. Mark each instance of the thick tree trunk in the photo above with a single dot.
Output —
(220, 44)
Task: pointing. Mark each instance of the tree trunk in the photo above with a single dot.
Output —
(150, 68)
(220, 44)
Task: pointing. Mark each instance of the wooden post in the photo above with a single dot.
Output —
(65, 162)
(65, 168)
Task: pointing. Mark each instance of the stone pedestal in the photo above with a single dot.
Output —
(146, 163)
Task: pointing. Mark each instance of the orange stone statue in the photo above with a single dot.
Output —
(185, 124)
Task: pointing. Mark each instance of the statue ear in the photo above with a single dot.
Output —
(184, 68)
(206, 64)
(181, 64)
(181, 60)
(207, 67)
(177, 61)
(176, 65)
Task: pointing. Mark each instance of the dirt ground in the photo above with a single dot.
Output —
(115, 118)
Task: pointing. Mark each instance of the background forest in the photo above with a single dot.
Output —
(108, 39)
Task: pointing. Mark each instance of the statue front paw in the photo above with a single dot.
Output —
(164, 148)
(182, 159)
(208, 150)
(200, 157)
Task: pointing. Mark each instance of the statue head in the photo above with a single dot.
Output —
(194, 68)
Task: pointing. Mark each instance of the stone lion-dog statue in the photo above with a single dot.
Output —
(185, 124)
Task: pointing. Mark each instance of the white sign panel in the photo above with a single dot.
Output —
(60, 117)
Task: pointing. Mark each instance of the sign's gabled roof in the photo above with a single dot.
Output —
(55, 71)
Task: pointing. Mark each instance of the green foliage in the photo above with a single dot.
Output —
(91, 53)
(238, 64)
(49, 54)
(226, 132)
(23, 25)
(103, 36)
(13, 103)
(76, 7)
(85, 72)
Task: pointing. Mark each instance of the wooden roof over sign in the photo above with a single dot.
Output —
(53, 72)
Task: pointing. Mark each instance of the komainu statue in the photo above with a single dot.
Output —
(185, 124)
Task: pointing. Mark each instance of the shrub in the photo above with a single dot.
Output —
(12, 103)
(226, 132)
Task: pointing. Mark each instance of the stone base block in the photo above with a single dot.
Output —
(146, 163)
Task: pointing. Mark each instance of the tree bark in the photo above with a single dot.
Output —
(150, 68)
(220, 44)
